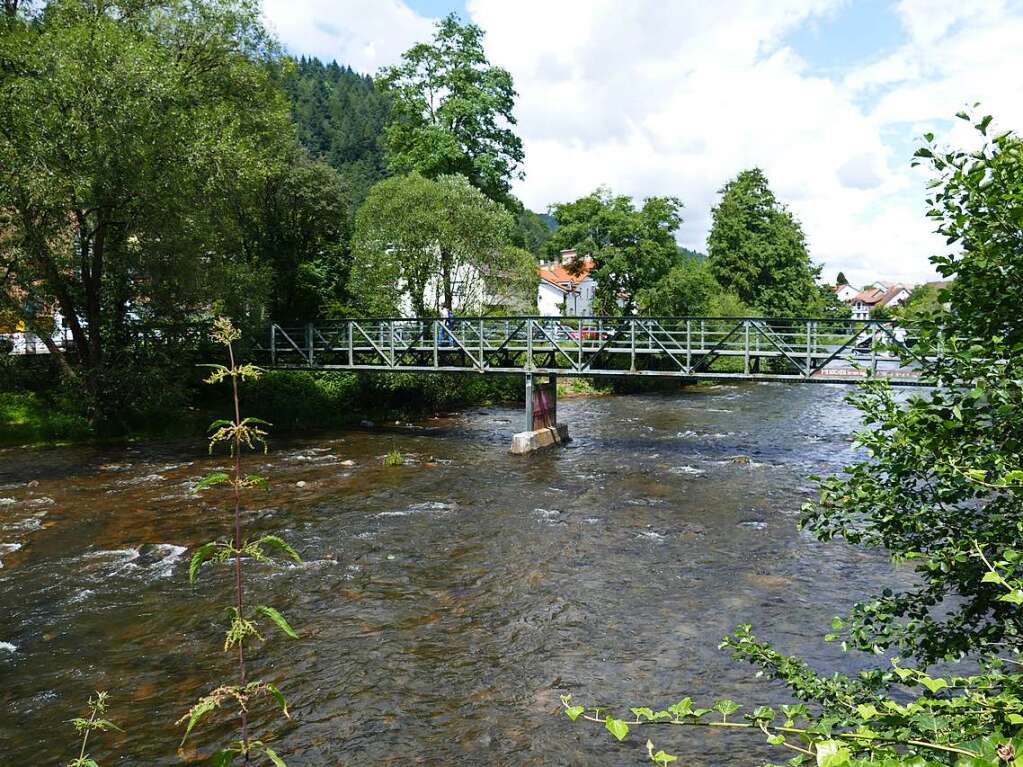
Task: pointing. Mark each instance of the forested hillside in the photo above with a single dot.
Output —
(340, 116)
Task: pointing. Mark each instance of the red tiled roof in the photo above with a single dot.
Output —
(558, 275)
(877, 296)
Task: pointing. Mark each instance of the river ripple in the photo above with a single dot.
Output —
(446, 604)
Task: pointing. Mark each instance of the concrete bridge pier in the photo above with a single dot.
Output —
(542, 427)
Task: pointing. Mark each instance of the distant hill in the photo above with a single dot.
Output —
(340, 116)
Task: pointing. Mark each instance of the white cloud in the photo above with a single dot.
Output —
(650, 97)
(365, 34)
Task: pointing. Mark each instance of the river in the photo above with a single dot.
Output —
(443, 605)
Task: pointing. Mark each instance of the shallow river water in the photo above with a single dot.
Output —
(443, 605)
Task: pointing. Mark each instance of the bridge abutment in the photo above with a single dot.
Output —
(542, 427)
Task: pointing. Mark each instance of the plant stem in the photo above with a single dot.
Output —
(238, 540)
(791, 730)
(85, 737)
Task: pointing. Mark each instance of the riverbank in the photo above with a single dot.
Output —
(293, 401)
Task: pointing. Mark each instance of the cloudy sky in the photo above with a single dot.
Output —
(829, 97)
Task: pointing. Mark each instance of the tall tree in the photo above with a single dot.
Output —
(297, 229)
(429, 246)
(452, 112)
(757, 250)
(123, 124)
(632, 248)
(841, 280)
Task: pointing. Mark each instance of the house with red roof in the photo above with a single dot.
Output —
(566, 287)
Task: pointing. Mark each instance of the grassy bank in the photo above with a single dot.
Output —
(37, 410)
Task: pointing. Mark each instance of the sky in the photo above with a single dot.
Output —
(829, 97)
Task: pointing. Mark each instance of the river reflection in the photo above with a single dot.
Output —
(443, 605)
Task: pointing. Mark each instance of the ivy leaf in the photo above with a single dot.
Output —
(642, 712)
(933, 684)
(616, 727)
(726, 707)
(277, 618)
(775, 740)
(573, 712)
(831, 753)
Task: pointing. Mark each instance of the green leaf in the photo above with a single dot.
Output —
(573, 712)
(616, 727)
(201, 555)
(272, 756)
(726, 707)
(279, 697)
(278, 542)
(990, 577)
(775, 740)
(831, 753)
(277, 618)
(683, 708)
(210, 480)
(762, 713)
(222, 758)
(257, 480)
(642, 712)
(220, 423)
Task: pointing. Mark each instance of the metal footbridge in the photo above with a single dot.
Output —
(814, 350)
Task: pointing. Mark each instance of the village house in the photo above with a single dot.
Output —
(876, 296)
(846, 293)
(562, 293)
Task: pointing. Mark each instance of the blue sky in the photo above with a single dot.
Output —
(829, 97)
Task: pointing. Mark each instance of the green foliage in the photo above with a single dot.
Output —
(841, 279)
(394, 458)
(85, 728)
(757, 250)
(451, 112)
(531, 232)
(935, 481)
(340, 116)
(297, 230)
(435, 244)
(632, 248)
(689, 289)
(924, 303)
(129, 132)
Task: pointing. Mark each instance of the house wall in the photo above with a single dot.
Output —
(549, 300)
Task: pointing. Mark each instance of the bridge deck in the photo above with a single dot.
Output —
(793, 349)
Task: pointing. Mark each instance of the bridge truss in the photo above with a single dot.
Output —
(787, 349)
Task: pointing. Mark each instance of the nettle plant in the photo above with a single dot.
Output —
(965, 721)
(85, 728)
(244, 626)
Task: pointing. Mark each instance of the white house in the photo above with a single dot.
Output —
(877, 295)
(563, 293)
(846, 293)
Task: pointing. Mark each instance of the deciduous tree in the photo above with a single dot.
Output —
(121, 126)
(632, 248)
(430, 244)
(757, 250)
(452, 112)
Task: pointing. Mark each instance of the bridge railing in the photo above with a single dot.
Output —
(800, 348)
